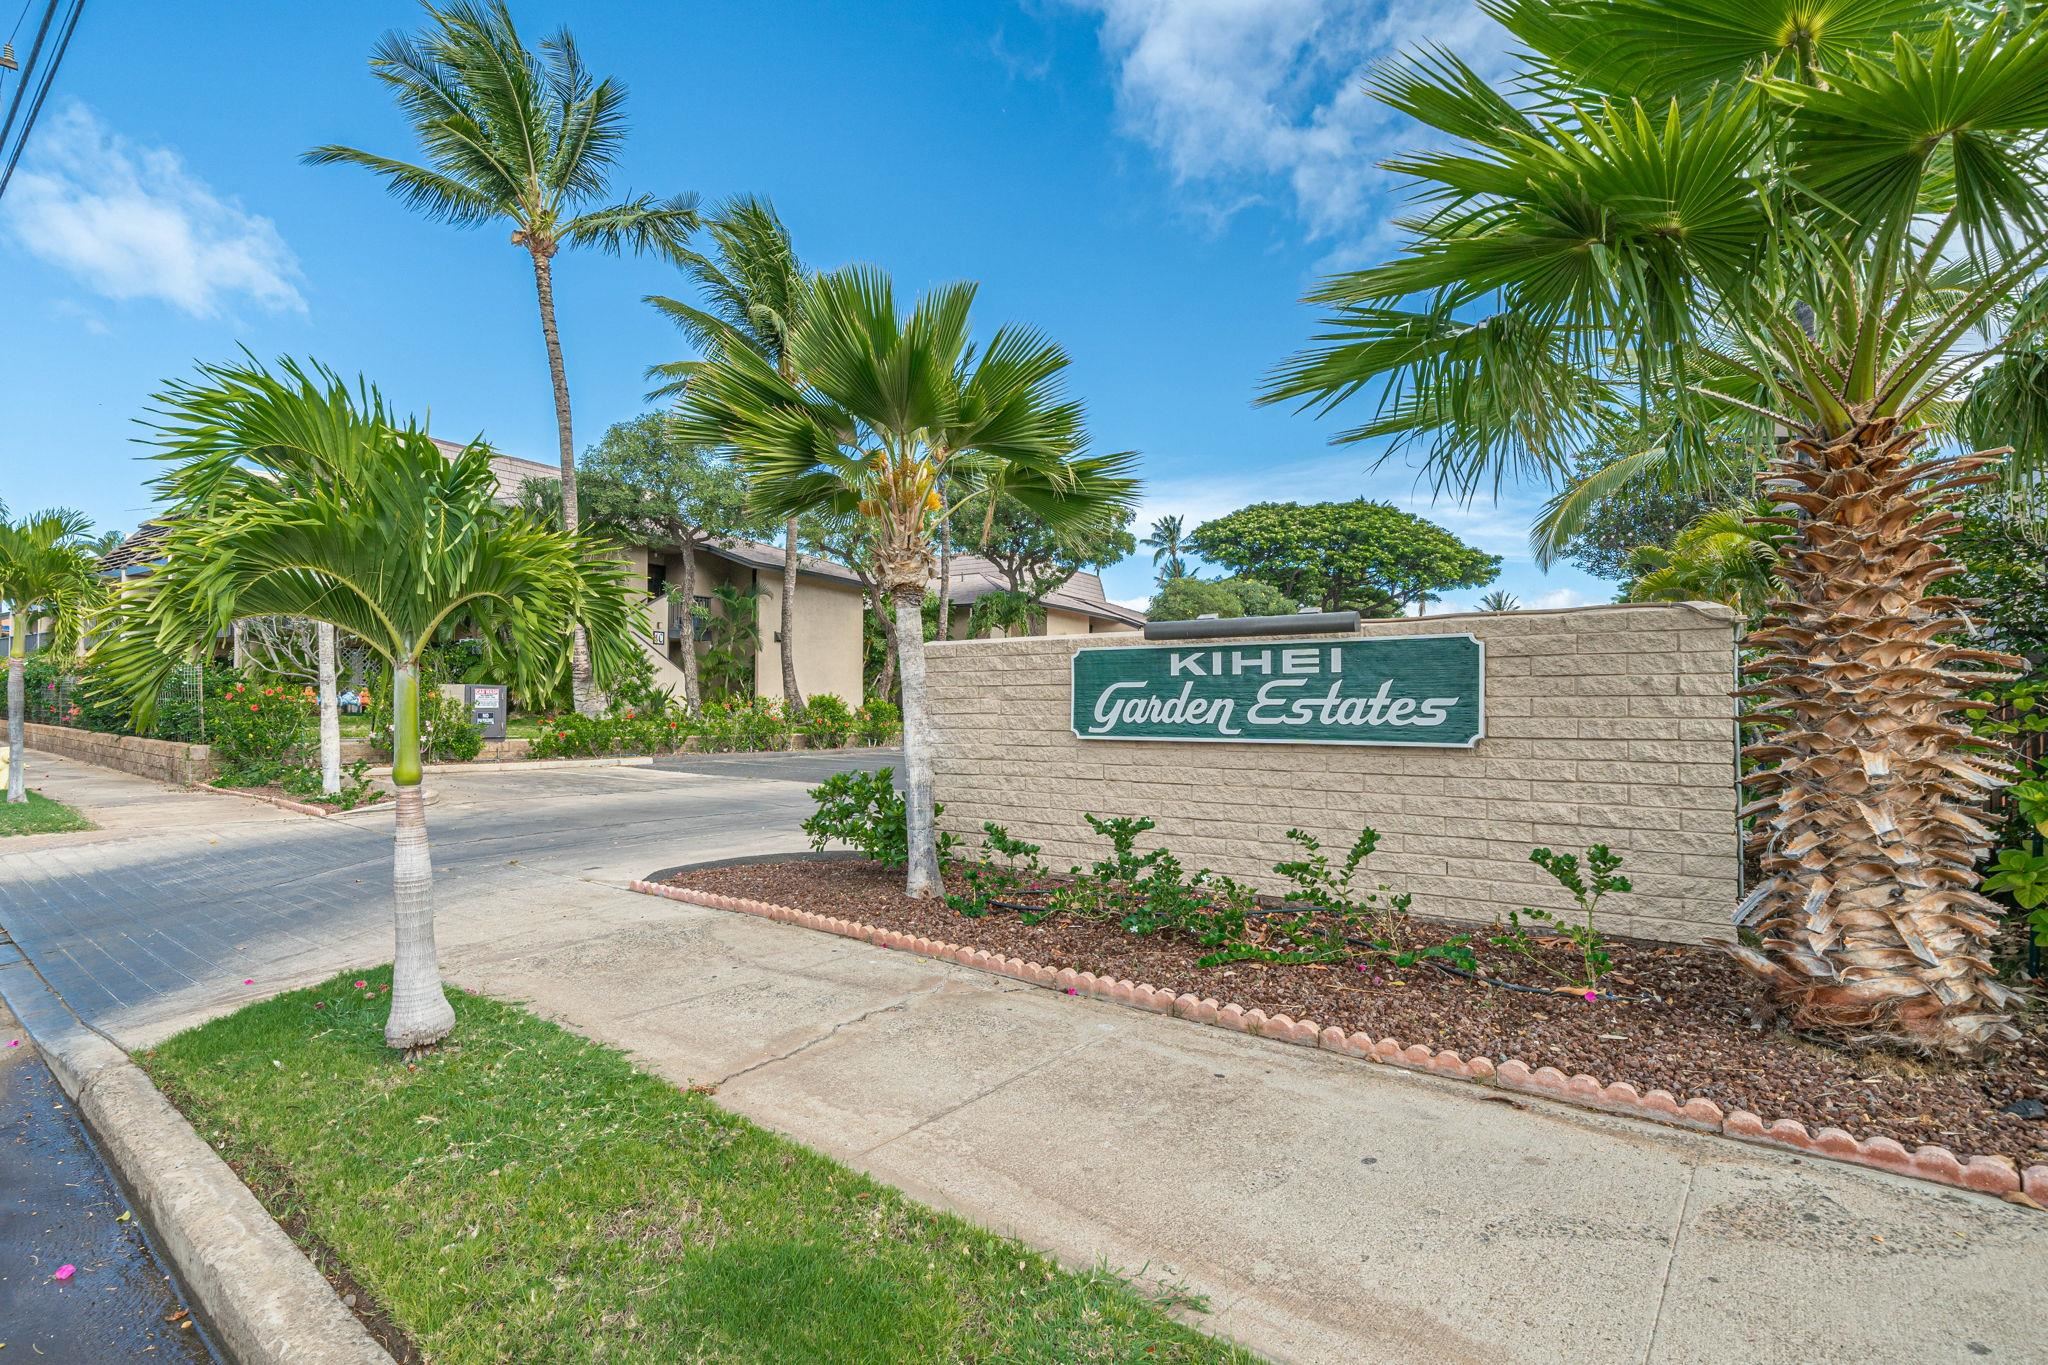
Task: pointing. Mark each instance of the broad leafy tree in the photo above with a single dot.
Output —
(750, 289)
(49, 571)
(1793, 231)
(1169, 546)
(1359, 555)
(289, 495)
(526, 139)
(648, 487)
(1191, 596)
(889, 405)
(1035, 556)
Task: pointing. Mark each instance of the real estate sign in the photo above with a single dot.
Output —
(1406, 689)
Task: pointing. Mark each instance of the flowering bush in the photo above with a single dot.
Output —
(626, 731)
(726, 724)
(261, 730)
(878, 721)
(828, 721)
(447, 733)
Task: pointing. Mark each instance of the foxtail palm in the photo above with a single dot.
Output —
(528, 138)
(753, 287)
(887, 407)
(1773, 226)
(49, 571)
(289, 496)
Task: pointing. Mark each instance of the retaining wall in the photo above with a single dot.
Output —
(1606, 725)
(181, 765)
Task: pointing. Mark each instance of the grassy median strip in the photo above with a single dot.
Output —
(40, 815)
(524, 1193)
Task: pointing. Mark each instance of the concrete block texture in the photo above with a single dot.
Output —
(161, 760)
(1612, 736)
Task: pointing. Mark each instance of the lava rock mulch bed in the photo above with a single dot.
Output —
(1704, 1036)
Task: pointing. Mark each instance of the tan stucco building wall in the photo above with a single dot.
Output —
(1603, 725)
(828, 639)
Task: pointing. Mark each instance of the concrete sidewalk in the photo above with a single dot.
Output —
(1328, 1209)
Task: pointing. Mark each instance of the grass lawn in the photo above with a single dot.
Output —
(527, 1194)
(40, 816)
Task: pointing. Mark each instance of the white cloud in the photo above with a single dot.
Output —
(1567, 597)
(133, 222)
(1245, 96)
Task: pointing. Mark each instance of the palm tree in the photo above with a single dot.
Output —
(888, 406)
(527, 138)
(1498, 600)
(1169, 548)
(48, 571)
(1774, 228)
(753, 287)
(1729, 555)
(289, 496)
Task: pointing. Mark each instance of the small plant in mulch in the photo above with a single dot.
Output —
(1603, 866)
(866, 811)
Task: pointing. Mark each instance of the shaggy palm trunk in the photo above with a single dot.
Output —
(885, 683)
(686, 635)
(921, 880)
(17, 713)
(582, 689)
(330, 711)
(1869, 824)
(420, 1013)
(792, 699)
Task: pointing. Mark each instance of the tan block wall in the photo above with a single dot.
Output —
(181, 765)
(1604, 725)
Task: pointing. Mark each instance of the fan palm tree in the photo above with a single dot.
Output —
(290, 496)
(526, 138)
(1169, 547)
(48, 572)
(752, 285)
(887, 406)
(1790, 230)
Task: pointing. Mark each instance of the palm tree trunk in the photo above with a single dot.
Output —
(945, 578)
(330, 711)
(580, 684)
(792, 699)
(1870, 814)
(17, 713)
(921, 880)
(687, 634)
(885, 686)
(420, 1012)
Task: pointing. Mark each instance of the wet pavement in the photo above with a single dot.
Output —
(59, 1207)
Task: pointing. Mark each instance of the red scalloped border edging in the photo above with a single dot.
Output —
(1994, 1175)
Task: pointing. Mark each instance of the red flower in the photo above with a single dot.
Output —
(254, 707)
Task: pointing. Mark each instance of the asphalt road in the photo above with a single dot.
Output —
(184, 896)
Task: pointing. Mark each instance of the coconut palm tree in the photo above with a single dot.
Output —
(1791, 230)
(752, 285)
(1500, 601)
(1729, 555)
(888, 405)
(48, 572)
(290, 496)
(527, 138)
(1169, 547)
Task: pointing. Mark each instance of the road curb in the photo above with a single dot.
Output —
(259, 1297)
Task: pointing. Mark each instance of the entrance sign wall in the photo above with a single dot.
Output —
(1558, 729)
(1414, 689)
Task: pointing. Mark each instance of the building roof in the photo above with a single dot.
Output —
(510, 471)
(973, 578)
(145, 546)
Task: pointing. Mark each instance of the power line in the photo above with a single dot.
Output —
(28, 72)
(49, 78)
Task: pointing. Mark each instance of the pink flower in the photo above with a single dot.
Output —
(65, 1272)
(361, 984)
(14, 1042)
(1072, 991)
(248, 981)
(1592, 995)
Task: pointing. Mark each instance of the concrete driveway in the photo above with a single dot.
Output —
(179, 898)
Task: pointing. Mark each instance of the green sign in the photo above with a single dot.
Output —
(1404, 689)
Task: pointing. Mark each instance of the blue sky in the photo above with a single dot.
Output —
(1153, 182)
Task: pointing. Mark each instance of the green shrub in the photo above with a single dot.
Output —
(865, 811)
(1604, 865)
(828, 722)
(262, 730)
(356, 787)
(878, 721)
(448, 733)
(571, 735)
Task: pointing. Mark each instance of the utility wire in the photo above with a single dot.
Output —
(42, 91)
(28, 69)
